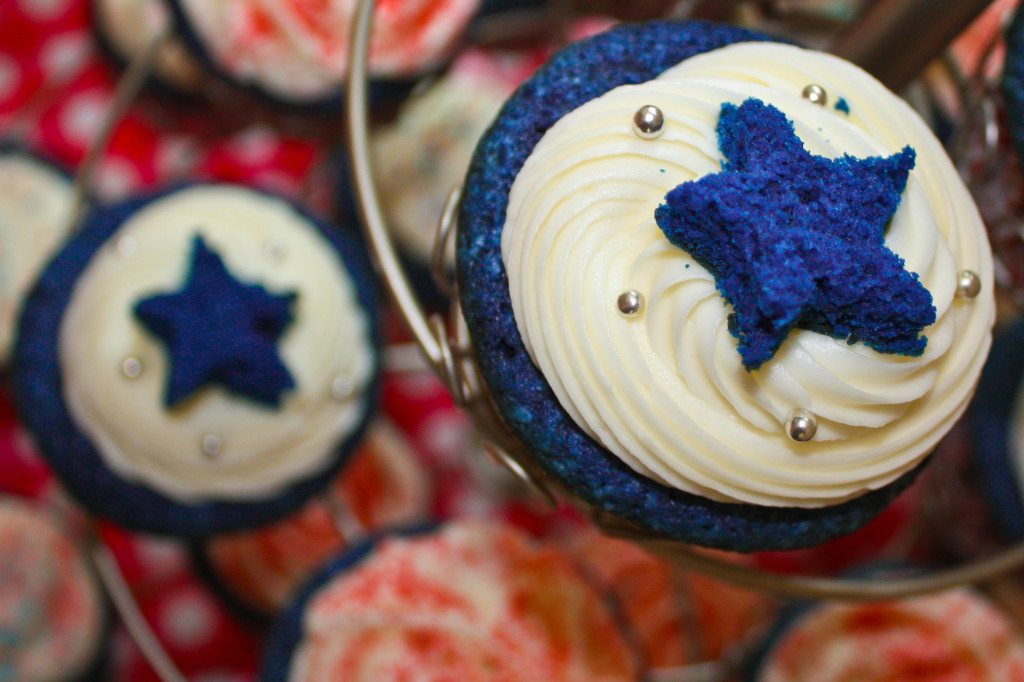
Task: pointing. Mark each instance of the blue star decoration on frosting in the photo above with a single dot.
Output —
(798, 240)
(218, 330)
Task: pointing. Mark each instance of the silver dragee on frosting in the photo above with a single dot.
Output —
(258, 451)
(665, 390)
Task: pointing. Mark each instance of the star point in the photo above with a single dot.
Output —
(219, 330)
(796, 240)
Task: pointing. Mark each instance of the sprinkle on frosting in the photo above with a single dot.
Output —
(218, 330)
(954, 635)
(797, 240)
(843, 106)
(474, 601)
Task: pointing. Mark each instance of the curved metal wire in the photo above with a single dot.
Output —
(445, 356)
(140, 68)
(128, 609)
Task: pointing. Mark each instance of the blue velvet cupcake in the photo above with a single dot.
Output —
(726, 289)
(199, 361)
(297, 57)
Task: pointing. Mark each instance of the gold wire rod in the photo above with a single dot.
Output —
(128, 609)
(139, 70)
(374, 226)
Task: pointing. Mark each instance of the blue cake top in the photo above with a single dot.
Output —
(796, 240)
(218, 330)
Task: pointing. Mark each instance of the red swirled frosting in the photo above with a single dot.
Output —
(955, 635)
(471, 602)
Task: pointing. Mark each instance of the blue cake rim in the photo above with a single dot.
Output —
(39, 398)
(1012, 84)
(628, 54)
(991, 414)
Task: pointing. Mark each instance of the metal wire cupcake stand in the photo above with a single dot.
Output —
(444, 342)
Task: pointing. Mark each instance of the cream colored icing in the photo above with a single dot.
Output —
(665, 390)
(426, 153)
(262, 240)
(298, 49)
(130, 25)
(35, 210)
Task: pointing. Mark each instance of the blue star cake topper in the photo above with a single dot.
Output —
(218, 330)
(798, 240)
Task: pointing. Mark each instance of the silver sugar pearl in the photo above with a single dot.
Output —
(648, 122)
(815, 94)
(131, 368)
(126, 245)
(341, 388)
(276, 250)
(212, 445)
(630, 302)
(801, 426)
(968, 284)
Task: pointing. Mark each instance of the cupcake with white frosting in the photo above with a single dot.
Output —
(729, 290)
(296, 53)
(53, 616)
(199, 361)
(35, 216)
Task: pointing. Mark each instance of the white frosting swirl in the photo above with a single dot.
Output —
(666, 390)
(35, 210)
(298, 49)
(262, 240)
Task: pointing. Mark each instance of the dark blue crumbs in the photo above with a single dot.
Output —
(843, 106)
(218, 330)
(797, 240)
